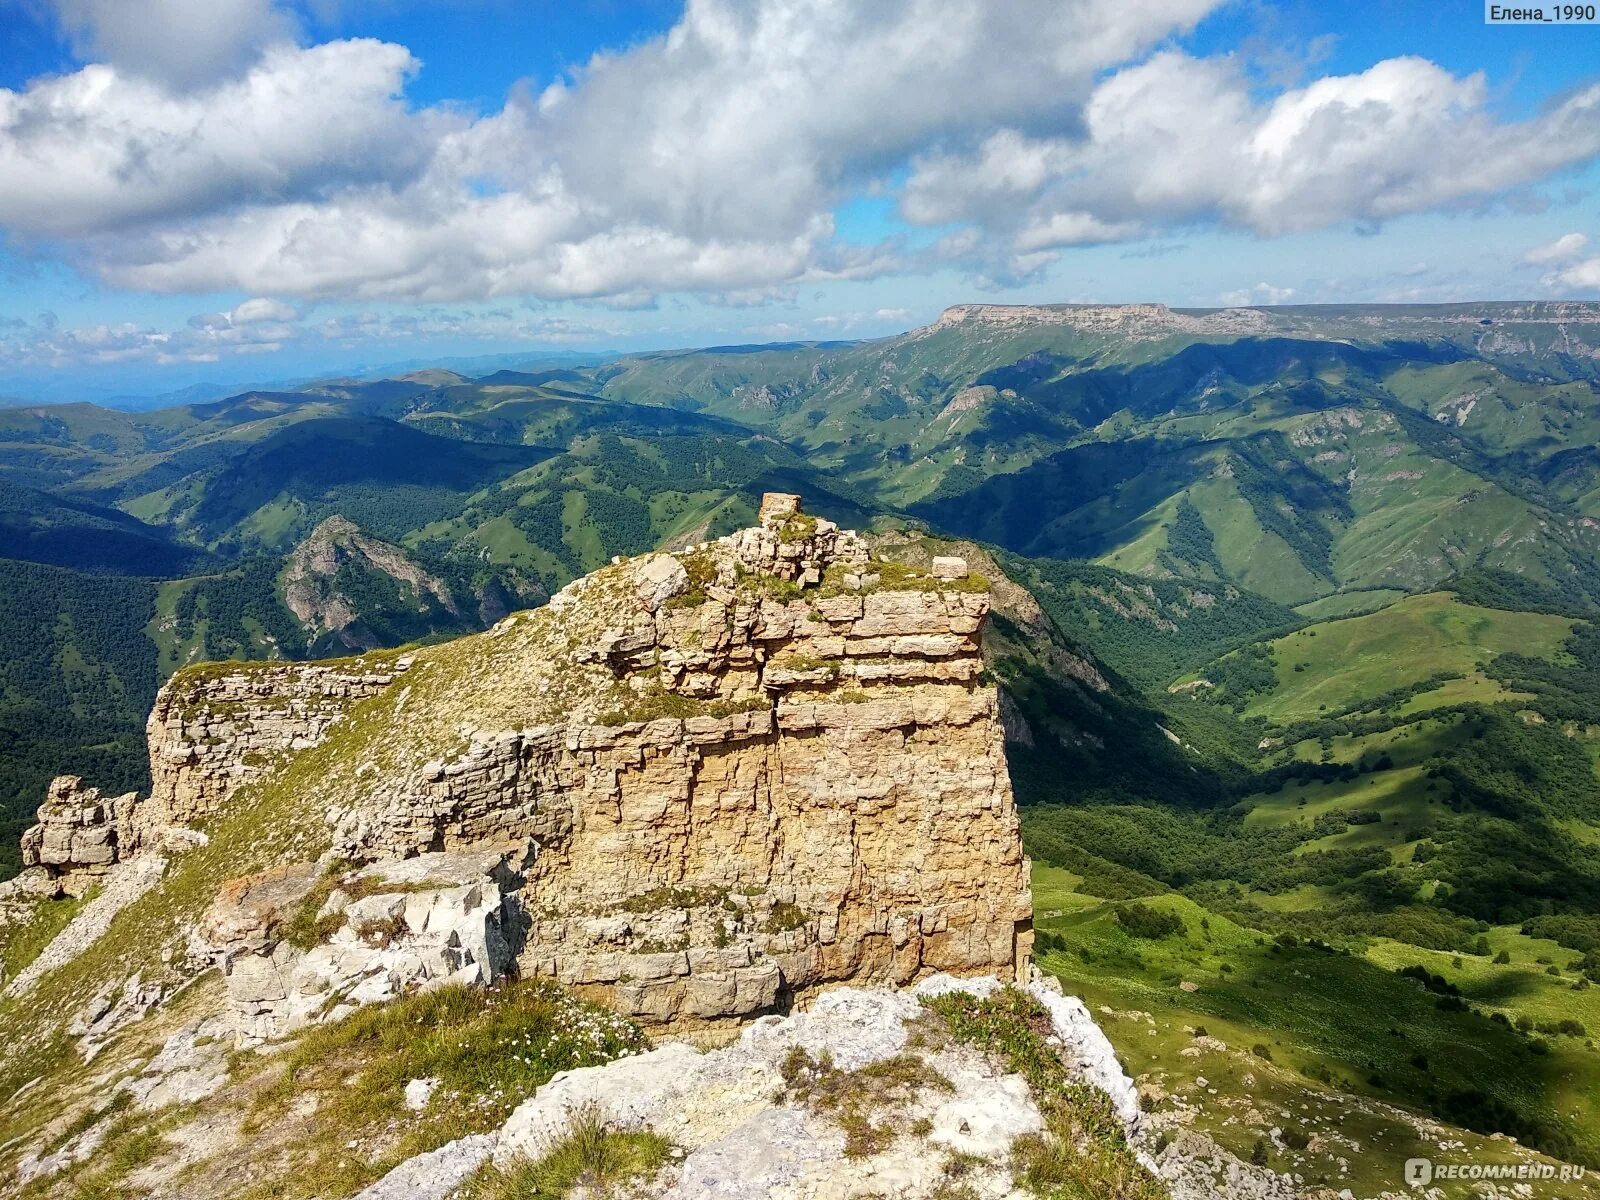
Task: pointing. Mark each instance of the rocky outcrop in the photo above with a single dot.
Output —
(80, 835)
(298, 945)
(313, 587)
(1132, 321)
(745, 1135)
(719, 781)
(216, 727)
(770, 788)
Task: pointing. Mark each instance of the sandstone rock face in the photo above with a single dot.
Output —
(216, 728)
(378, 933)
(722, 779)
(80, 833)
(790, 788)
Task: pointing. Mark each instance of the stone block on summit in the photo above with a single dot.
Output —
(775, 506)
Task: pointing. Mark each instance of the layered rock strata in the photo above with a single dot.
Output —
(788, 786)
(720, 780)
(222, 725)
(80, 834)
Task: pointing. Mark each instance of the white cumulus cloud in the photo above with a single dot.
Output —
(181, 42)
(1177, 140)
(711, 159)
(1564, 249)
(99, 150)
(1581, 276)
(1261, 293)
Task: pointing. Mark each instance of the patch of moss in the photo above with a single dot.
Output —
(658, 701)
(770, 587)
(784, 917)
(807, 663)
(702, 570)
(799, 527)
(897, 577)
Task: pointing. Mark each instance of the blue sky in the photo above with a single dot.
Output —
(249, 190)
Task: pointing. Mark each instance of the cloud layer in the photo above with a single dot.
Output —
(209, 151)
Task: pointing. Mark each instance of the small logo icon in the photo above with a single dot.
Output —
(1419, 1172)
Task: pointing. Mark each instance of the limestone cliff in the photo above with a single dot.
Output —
(216, 727)
(717, 780)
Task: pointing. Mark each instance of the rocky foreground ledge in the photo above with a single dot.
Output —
(867, 1093)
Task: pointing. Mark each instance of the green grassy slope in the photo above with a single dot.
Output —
(1341, 665)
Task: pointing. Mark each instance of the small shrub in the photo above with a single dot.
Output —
(1262, 1050)
(1045, 942)
(1142, 921)
(1433, 983)
(1261, 1152)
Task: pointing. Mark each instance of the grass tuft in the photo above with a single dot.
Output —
(1084, 1150)
(489, 1048)
(591, 1156)
(868, 1103)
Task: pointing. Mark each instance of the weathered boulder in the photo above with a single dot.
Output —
(298, 946)
(743, 1138)
(80, 835)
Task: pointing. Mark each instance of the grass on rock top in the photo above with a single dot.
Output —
(868, 1104)
(489, 1050)
(1084, 1150)
(591, 1157)
(23, 941)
